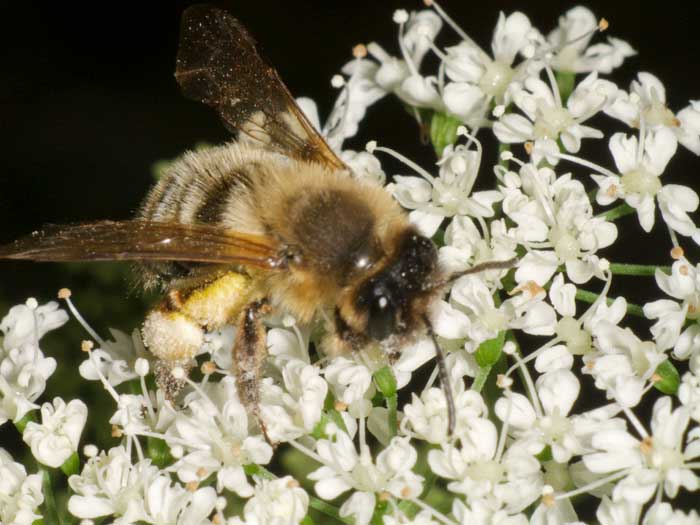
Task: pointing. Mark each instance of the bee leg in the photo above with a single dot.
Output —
(174, 339)
(249, 352)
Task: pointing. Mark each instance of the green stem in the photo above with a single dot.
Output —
(481, 378)
(637, 269)
(617, 212)
(590, 297)
(51, 516)
(392, 405)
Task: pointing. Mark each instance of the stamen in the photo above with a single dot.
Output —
(677, 252)
(372, 147)
(65, 293)
(593, 485)
(581, 162)
(359, 51)
(424, 506)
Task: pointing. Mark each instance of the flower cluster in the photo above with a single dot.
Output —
(521, 345)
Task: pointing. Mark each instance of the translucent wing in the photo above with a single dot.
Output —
(141, 240)
(218, 64)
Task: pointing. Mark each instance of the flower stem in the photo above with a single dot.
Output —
(637, 269)
(481, 377)
(51, 516)
(617, 212)
(590, 297)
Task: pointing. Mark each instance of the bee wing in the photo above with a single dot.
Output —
(218, 64)
(141, 240)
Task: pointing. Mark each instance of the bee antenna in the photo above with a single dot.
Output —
(485, 266)
(444, 378)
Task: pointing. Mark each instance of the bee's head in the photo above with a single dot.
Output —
(394, 297)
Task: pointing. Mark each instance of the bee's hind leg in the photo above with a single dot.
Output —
(249, 353)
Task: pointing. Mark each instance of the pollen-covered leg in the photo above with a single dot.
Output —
(174, 339)
(174, 331)
(249, 352)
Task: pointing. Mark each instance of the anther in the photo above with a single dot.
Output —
(64, 293)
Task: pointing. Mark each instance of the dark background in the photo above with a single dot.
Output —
(88, 104)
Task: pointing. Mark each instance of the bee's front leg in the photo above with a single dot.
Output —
(249, 353)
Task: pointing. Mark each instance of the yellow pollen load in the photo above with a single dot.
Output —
(219, 302)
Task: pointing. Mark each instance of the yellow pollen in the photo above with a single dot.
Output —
(529, 146)
(192, 486)
(611, 191)
(116, 432)
(675, 122)
(64, 293)
(340, 406)
(683, 270)
(647, 445)
(405, 492)
(384, 496)
(590, 365)
(208, 367)
(692, 309)
(292, 483)
(216, 520)
(503, 381)
(359, 51)
(655, 378)
(548, 500)
(86, 346)
(428, 3)
(201, 472)
(603, 24)
(677, 253)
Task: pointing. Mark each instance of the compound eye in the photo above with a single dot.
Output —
(382, 318)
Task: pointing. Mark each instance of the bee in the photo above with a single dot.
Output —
(272, 221)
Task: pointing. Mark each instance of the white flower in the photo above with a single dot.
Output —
(476, 77)
(482, 320)
(574, 54)
(664, 514)
(623, 363)
(23, 367)
(548, 120)
(344, 469)
(657, 460)
(557, 392)
(426, 416)
(23, 375)
(511, 481)
(166, 503)
(110, 485)
(646, 104)
(447, 195)
(20, 494)
(215, 432)
(638, 183)
(555, 212)
(295, 410)
(276, 502)
(683, 284)
(27, 323)
(618, 512)
(116, 359)
(56, 438)
(350, 378)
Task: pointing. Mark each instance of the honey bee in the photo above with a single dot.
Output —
(273, 221)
